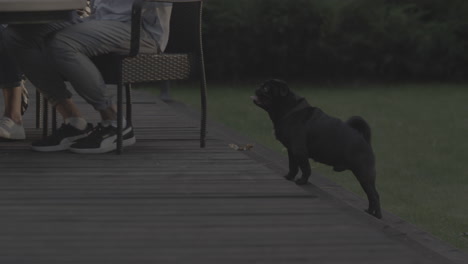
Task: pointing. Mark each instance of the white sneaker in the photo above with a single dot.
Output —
(10, 130)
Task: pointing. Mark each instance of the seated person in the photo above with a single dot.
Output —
(15, 96)
(50, 53)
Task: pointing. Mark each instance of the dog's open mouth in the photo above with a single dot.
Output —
(255, 99)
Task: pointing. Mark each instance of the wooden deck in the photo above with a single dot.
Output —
(168, 201)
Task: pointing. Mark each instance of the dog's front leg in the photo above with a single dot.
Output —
(301, 157)
(293, 167)
(305, 168)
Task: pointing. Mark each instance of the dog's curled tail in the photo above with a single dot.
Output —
(361, 126)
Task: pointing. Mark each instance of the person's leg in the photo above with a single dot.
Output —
(71, 50)
(11, 83)
(12, 100)
(11, 125)
(27, 43)
(72, 47)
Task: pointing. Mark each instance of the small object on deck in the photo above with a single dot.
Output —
(242, 148)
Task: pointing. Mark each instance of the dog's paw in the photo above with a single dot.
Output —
(302, 181)
(289, 177)
(374, 213)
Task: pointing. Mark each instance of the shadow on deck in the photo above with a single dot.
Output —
(168, 201)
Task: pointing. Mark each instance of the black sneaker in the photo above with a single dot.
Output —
(61, 139)
(103, 139)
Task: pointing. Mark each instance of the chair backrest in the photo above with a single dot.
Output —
(185, 28)
(184, 37)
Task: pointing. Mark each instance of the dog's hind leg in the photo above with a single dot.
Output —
(293, 167)
(366, 178)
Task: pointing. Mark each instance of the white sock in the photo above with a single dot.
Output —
(113, 123)
(77, 122)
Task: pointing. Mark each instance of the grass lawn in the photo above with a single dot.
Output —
(420, 138)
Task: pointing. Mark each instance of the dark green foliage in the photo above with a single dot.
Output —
(337, 39)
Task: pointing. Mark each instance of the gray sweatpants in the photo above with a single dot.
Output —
(48, 54)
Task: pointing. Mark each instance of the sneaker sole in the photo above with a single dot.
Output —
(13, 138)
(2, 139)
(19, 135)
(64, 145)
(125, 143)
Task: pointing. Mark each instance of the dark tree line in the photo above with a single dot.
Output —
(337, 39)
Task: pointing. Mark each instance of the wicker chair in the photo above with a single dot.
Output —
(182, 59)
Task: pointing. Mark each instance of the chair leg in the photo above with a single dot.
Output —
(203, 91)
(45, 117)
(119, 118)
(203, 117)
(128, 100)
(54, 119)
(203, 102)
(38, 108)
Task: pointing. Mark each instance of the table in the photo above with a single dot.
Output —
(37, 11)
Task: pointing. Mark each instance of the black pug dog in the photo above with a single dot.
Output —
(307, 132)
